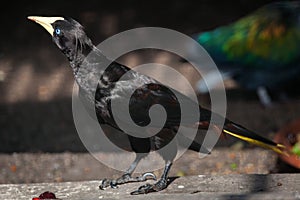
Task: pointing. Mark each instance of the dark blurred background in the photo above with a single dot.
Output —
(36, 81)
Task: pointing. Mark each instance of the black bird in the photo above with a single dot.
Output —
(70, 38)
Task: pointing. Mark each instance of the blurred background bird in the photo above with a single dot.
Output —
(260, 51)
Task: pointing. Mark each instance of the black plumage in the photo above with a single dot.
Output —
(114, 82)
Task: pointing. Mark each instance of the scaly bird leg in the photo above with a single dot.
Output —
(158, 186)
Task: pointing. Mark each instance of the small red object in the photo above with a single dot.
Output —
(45, 195)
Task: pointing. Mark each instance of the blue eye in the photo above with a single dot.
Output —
(57, 31)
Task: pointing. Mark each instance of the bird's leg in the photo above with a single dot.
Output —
(126, 177)
(264, 96)
(158, 186)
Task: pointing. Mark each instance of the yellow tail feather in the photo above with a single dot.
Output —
(278, 148)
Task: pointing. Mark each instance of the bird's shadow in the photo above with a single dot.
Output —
(171, 179)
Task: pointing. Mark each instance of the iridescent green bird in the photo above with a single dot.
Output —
(260, 51)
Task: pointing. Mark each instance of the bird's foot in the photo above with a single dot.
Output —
(126, 178)
(144, 189)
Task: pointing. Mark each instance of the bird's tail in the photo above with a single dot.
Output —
(242, 133)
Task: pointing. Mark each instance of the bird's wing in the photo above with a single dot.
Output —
(268, 37)
(154, 93)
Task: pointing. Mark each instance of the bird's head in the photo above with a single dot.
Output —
(66, 33)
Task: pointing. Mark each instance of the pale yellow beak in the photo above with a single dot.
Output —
(46, 22)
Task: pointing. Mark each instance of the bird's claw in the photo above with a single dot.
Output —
(126, 178)
(108, 182)
(144, 189)
(147, 188)
(145, 176)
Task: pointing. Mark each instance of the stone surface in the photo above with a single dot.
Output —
(273, 186)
